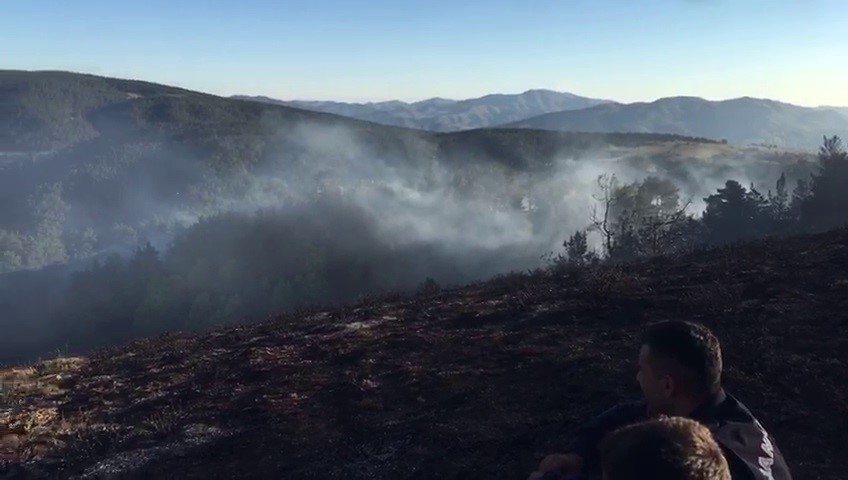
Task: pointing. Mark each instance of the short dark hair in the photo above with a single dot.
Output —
(670, 448)
(691, 346)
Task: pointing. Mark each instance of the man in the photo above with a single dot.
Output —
(680, 375)
(673, 448)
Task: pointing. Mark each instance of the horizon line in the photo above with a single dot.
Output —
(411, 101)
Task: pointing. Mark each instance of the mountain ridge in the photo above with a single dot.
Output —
(743, 120)
(446, 115)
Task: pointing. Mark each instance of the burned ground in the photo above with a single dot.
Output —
(477, 382)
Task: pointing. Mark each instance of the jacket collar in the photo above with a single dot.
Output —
(706, 412)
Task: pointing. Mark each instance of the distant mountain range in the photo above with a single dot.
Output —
(443, 115)
(740, 121)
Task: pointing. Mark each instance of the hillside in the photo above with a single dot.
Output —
(443, 115)
(117, 149)
(46, 110)
(474, 382)
(42, 111)
(143, 164)
(740, 121)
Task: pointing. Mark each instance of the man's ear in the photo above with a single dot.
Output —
(668, 385)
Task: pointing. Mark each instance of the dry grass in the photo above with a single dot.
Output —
(47, 378)
(29, 429)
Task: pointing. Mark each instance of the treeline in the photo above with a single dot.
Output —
(650, 218)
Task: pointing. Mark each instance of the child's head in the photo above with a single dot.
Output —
(672, 448)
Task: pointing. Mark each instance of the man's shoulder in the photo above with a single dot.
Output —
(733, 421)
(589, 435)
(637, 407)
(613, 417)
(627, 411)
(724, 408)
(739, 431)
(617, 416)
(737, 405)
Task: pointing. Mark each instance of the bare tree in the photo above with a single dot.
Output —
(642, 218)
(658, 233)
(602, 222)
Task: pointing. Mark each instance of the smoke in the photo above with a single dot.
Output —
(465, 209)
(465, 206)
(407, 206)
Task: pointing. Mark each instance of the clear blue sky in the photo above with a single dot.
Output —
(628, 50)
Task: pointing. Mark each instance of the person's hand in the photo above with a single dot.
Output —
(567, 463)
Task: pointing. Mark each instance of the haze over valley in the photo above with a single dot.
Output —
(95, 166)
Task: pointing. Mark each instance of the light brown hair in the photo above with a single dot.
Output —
(668, 448)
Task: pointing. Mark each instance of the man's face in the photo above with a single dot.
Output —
(656, 386)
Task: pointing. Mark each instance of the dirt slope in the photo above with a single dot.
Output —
(472, 383)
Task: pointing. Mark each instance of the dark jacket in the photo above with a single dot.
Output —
(750, 451)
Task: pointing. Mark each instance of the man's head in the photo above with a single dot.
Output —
(673, 448)
(679, 366)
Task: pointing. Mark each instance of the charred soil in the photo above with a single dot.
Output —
(477, 382)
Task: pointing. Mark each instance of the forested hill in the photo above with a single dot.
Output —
(46, 110)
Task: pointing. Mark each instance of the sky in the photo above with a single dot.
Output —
(373, 50)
